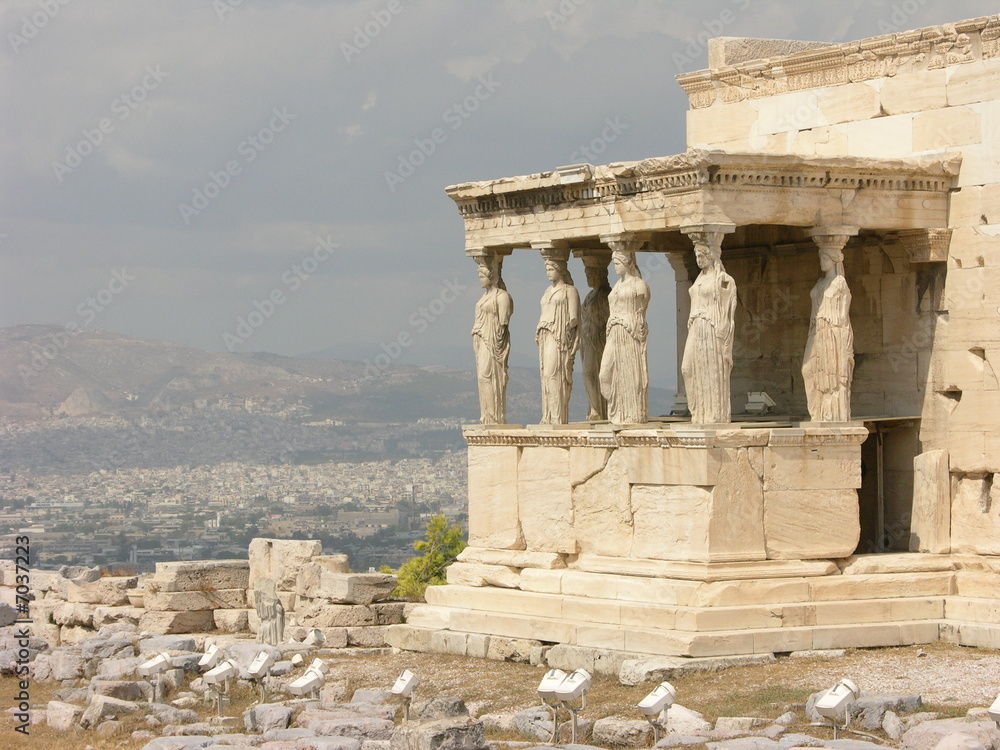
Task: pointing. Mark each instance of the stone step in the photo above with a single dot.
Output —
(972, 610)
(769, 591)
(980, 635)
(629, 615)
(668, 642)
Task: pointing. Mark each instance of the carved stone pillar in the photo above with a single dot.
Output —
(685, 271)
(624, 373)
(557, 334)
(828, 363)
(491, 336)
(594, 328)
(707, 362)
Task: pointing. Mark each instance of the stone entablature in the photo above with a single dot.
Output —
(931, 48)
(703, 187)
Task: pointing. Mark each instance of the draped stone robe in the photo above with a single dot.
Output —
(558, 339)
(708, 351)
(491, 344)
(624, 374)
(828, 365)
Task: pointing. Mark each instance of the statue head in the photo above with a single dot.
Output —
(557, 270)
(706, 254)
(625, 264)
(831, 258)
(596, 270)
(489, 271)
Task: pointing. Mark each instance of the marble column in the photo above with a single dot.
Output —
(491, 337)
(594, 328)
(557, 335)
(828, 363)
(707, 362)
(624, 373)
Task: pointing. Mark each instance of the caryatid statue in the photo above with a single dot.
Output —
(594, 329)
(828, 365)
(624, 374)
(558, 338)
(708, 352)
(491, 340)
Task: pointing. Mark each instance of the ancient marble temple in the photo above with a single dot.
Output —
(833, 237)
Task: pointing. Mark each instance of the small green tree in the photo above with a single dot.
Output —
(440, 547)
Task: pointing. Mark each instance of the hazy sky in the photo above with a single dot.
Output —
(171, 166)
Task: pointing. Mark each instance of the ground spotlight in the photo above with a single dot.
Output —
(212, 656)
(547, 695)
(311, 681)
(260, 668)
(155, 668)
(654, 704)
(837, 701)
(314, 638)
(221, 674)
(404, 686)
(572, 693)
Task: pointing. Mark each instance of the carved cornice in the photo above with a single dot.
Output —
(658, 179)
(920, 49)
(853, 434)
(926, 245)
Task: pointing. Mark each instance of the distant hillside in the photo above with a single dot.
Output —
(44, 370)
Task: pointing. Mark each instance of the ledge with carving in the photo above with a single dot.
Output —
(683, 435)
(929, 48)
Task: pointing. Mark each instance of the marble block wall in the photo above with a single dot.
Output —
(716, 496)
(927, 92)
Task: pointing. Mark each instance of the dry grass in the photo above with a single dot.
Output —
(765, 691)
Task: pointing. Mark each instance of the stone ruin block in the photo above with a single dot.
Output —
(281, 560)
(177, 622)
(232, 620)
(200, 575)
(321, 614)
(317, 582)
(110, 591)
(176, 601)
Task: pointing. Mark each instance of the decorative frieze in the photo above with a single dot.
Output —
(878, 57)
(664, 437)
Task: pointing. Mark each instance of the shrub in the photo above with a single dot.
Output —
(440, 547)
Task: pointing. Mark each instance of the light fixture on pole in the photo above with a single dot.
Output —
(656, 703)
(404, 686)
(155, 667)
(572, 693)
(260, 668)
(837, 701)
(547, 695)
(221, 674)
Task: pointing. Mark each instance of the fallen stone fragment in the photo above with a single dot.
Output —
(62, 716)
(443, 734)
(103, 707)
(267, 716)
(613, 730)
